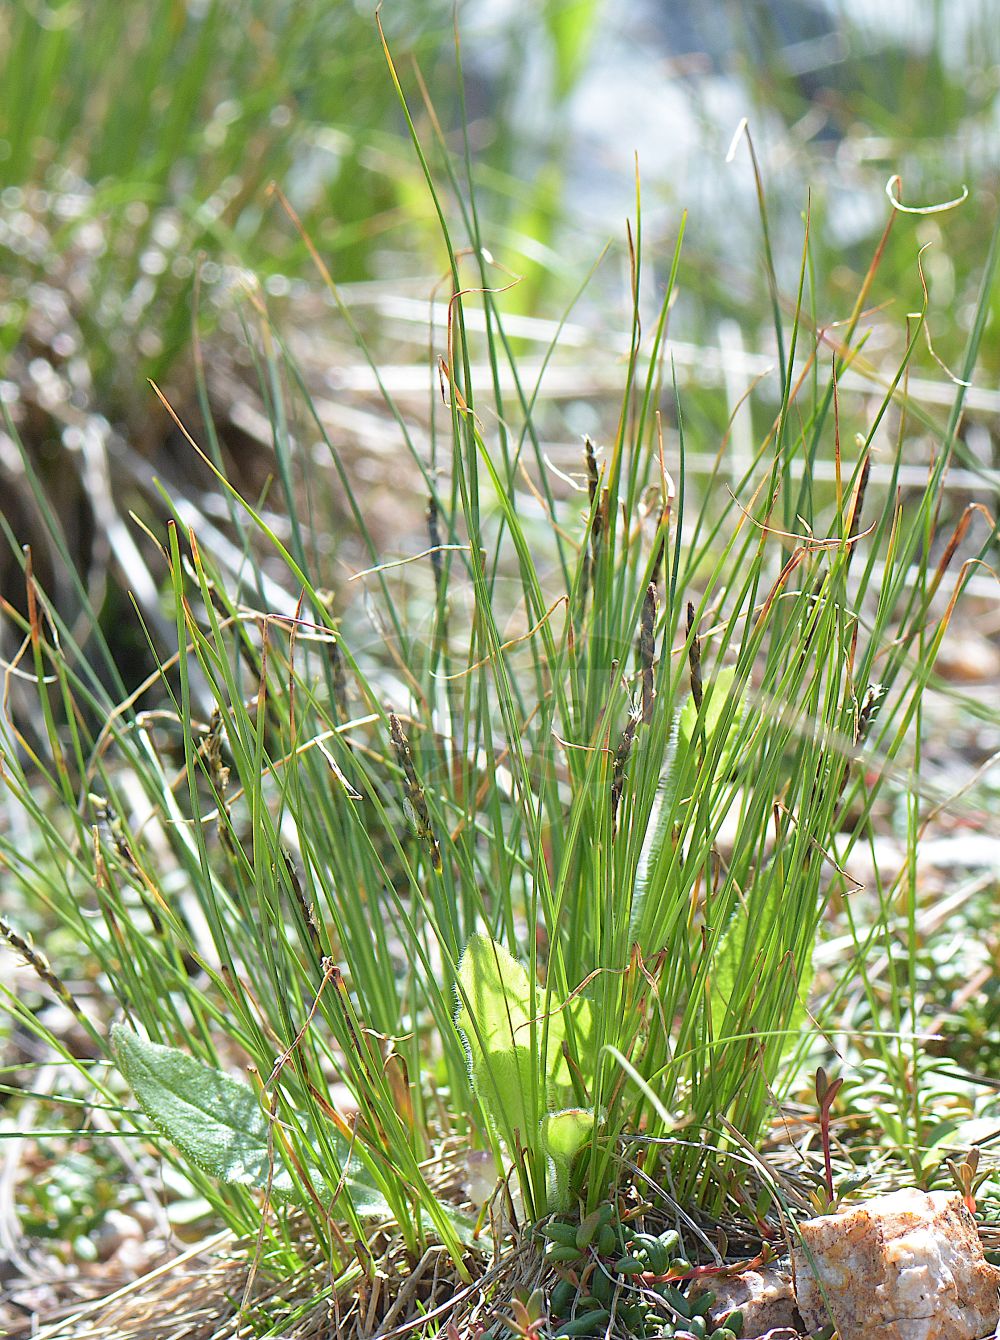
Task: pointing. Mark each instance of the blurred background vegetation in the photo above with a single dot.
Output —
(139, 142)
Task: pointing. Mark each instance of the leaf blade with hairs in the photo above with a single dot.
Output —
(219, 1124)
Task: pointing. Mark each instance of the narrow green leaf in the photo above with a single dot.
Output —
(726, 966)
(729, 969)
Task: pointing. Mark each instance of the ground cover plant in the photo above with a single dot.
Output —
(526, 856)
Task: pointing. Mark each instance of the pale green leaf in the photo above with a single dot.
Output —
(713, 708)
(565, 1133)
(494, 996)
(574, 1024)
(216, 1122)
(494, 1020)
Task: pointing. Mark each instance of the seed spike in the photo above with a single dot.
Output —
(618, 767)
(415, 799)
(694, 657)
(647, 651)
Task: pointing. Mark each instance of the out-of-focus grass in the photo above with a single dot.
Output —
(137, 146)
(870, 100)
(137, 137)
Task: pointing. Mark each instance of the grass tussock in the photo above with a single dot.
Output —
(526, 853)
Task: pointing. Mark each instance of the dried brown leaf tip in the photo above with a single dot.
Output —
(859, 498)
(414, 801)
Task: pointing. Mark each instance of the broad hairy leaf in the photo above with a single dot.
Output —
(218, 1123)
(494, 1020)
(213, 1119)
(717, 695)
(564, 1134)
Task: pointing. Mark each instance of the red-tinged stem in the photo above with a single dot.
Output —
(698, 1272)
(824, 1131)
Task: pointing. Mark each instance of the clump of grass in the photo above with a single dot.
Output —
(539, 868)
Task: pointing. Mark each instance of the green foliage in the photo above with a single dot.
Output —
(637, 1275)
(215, 1121)
(563, 1136)
(565, 1133)
(509, 1064)
(494, 1019)
(318, 834)
(521, 888)
(221, 1126)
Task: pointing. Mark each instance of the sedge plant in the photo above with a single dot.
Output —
(538, 866)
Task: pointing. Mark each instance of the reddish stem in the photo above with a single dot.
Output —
(765, 1255)
(824, 1135)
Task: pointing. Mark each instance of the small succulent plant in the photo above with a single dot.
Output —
(612, 1275)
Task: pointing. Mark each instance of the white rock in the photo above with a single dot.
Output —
(907, 1266)
(764, 1296)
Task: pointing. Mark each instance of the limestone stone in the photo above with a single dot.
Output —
(905, 1266)
(764, 1296)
